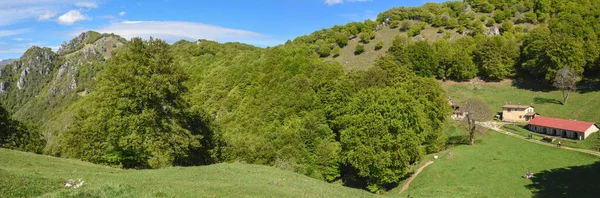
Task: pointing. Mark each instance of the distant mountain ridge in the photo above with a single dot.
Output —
(7, 61)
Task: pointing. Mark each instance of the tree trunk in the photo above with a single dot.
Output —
(472, 132)
(565, 96)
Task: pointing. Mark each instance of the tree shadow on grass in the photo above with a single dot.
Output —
(574, 181)
(533, 85)
(457, 140)
(540, 100)
(587, 85)
(351, 179)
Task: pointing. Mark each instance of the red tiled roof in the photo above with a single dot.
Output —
(570, 125)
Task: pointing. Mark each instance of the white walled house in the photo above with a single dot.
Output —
(517, 113)
(573, 129)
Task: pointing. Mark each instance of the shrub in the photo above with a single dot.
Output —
(336, 51)
(394, 24)
(379, 45)
(405, 25)
(324, 50)
(519, 29)
(490, 23)
(441, 30)
(360, 48)
(508, 26)
(365, 37)
(448, 35)
(499, 16)
(451, 23)
(483, 18)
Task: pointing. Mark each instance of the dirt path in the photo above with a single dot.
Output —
(405, 187)
(496, 127)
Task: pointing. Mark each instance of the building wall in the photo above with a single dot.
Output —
(563, 133)
(515, 115)
(591, 130)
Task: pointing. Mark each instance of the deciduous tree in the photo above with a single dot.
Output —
(566, 81)
(137, 117)
(477, 111)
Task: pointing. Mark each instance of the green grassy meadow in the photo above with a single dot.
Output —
(496, 165)
(28, 175)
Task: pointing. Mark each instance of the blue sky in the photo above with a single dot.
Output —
(24, 23)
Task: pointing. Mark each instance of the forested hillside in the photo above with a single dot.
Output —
(150, 104)
(492, 39)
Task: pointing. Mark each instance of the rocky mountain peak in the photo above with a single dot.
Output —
(74, 43)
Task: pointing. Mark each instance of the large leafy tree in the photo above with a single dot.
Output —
(137, 117)
(422, 58)
(393, 119)
(496, 56)
(380, 137)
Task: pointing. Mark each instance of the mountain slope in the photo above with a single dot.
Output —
(26, 174)
(42, 85)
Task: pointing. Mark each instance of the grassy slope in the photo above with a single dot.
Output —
(26, 174)
(365, 60)
(495, 167)
(581, 106)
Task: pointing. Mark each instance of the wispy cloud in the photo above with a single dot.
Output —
(4, 33)
(71, 17)
(22, 39)
(333, 2)
(121, 14)
(11, 51)
(46, 16)
(87, 4)
(172, 31)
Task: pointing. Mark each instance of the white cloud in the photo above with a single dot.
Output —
(121, 14)
(87, 4)
(172, 31)
(22, 39)
(333, 2)
(4, 33)
(16, 11)
(71, 17)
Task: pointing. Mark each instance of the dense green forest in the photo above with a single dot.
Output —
(149, 104)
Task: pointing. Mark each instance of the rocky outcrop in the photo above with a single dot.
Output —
(74, 43)
(22, 81)
(35, 65)
(491, 31)
(4, 86)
